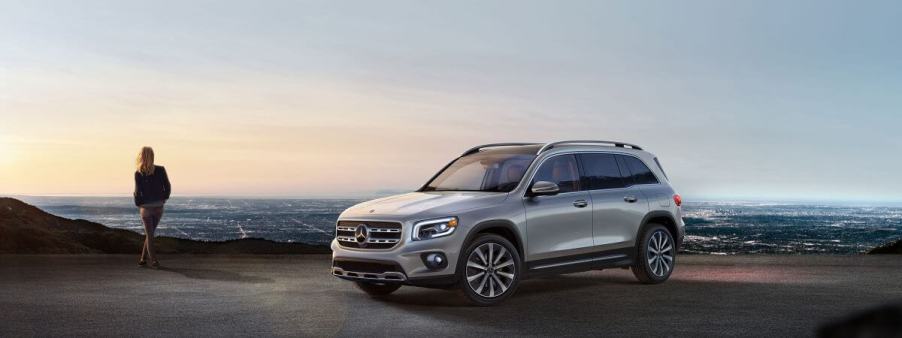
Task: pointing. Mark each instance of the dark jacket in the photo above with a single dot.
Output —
(152, 188)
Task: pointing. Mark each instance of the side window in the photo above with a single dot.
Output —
(638, 171)
(600, 171)
(561, 170)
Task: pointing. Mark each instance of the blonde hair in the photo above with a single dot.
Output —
(145, 161)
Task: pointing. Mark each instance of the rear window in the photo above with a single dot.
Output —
(600, 171)
(638, 171)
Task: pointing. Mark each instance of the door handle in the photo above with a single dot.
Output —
(630, 199)
(580, 203)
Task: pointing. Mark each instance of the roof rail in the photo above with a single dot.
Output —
(478, 148)
(610, 143)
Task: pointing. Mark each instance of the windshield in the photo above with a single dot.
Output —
(498, 171)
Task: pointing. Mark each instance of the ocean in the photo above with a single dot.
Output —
(711, 227)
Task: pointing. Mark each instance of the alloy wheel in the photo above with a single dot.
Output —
(490, 270)
(660, 253)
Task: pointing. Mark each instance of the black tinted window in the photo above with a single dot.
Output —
(561, 170)
(638, 171)
(600, 171)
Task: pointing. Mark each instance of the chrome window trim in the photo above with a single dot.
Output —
(540, 163)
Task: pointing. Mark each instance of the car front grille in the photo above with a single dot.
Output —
(378, 235)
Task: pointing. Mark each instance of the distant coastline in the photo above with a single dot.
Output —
(718, 228)
(25, 229)
(389, 192)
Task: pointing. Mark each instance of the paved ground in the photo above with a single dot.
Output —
(296, 296)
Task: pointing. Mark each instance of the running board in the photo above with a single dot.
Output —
(580, 261)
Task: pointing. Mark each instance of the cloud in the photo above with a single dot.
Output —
(310, 99)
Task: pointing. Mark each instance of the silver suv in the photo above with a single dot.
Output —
(504, 212)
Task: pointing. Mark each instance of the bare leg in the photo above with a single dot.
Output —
(144, 250)
(150, 224)
(148, 242)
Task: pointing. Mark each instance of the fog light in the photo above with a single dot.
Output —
(435, 260)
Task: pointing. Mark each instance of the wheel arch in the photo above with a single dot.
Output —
(664, 218)
(503, 228)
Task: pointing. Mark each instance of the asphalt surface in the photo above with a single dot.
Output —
(108, 295)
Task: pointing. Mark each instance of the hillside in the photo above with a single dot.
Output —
(894, 247)
(25, 229)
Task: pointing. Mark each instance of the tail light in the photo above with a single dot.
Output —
(677, 200)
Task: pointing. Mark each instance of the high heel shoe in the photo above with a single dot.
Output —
(142, 263)
(156, 264)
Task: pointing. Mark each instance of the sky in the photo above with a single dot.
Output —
(798, 100)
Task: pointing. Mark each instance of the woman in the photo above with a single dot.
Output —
(152, 189)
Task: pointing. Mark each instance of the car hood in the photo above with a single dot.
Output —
(423, 204)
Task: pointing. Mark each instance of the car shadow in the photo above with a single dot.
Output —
(527, 288)
(216, 275)
(615, 303)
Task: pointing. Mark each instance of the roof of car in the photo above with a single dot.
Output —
(528, 149)
(539, 148)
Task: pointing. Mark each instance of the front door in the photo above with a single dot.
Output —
(559, 225)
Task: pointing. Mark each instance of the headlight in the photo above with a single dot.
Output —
(434, 228)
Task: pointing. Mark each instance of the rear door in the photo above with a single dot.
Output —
(559, 225)
(618, 207)
(659, 195)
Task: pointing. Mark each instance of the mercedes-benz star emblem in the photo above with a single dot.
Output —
(361, 233)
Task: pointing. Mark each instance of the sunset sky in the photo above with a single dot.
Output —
(739, 99)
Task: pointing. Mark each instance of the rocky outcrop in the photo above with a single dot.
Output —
(894, 247)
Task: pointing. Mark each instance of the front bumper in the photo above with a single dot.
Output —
(368, 270)
(401, 264)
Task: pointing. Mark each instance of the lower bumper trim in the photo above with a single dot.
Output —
(388, 276)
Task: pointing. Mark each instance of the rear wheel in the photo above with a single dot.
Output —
(656, 257)
(490, 270)
(378, 289)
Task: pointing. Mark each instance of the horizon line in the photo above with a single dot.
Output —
(364, 196)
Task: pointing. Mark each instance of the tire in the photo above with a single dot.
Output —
(489, 280)
(378, 289)
(652, 267)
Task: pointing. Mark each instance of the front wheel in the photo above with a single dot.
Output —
(490, 270)
(378, 289)
(656, 257)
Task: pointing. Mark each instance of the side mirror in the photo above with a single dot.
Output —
(544, 188)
